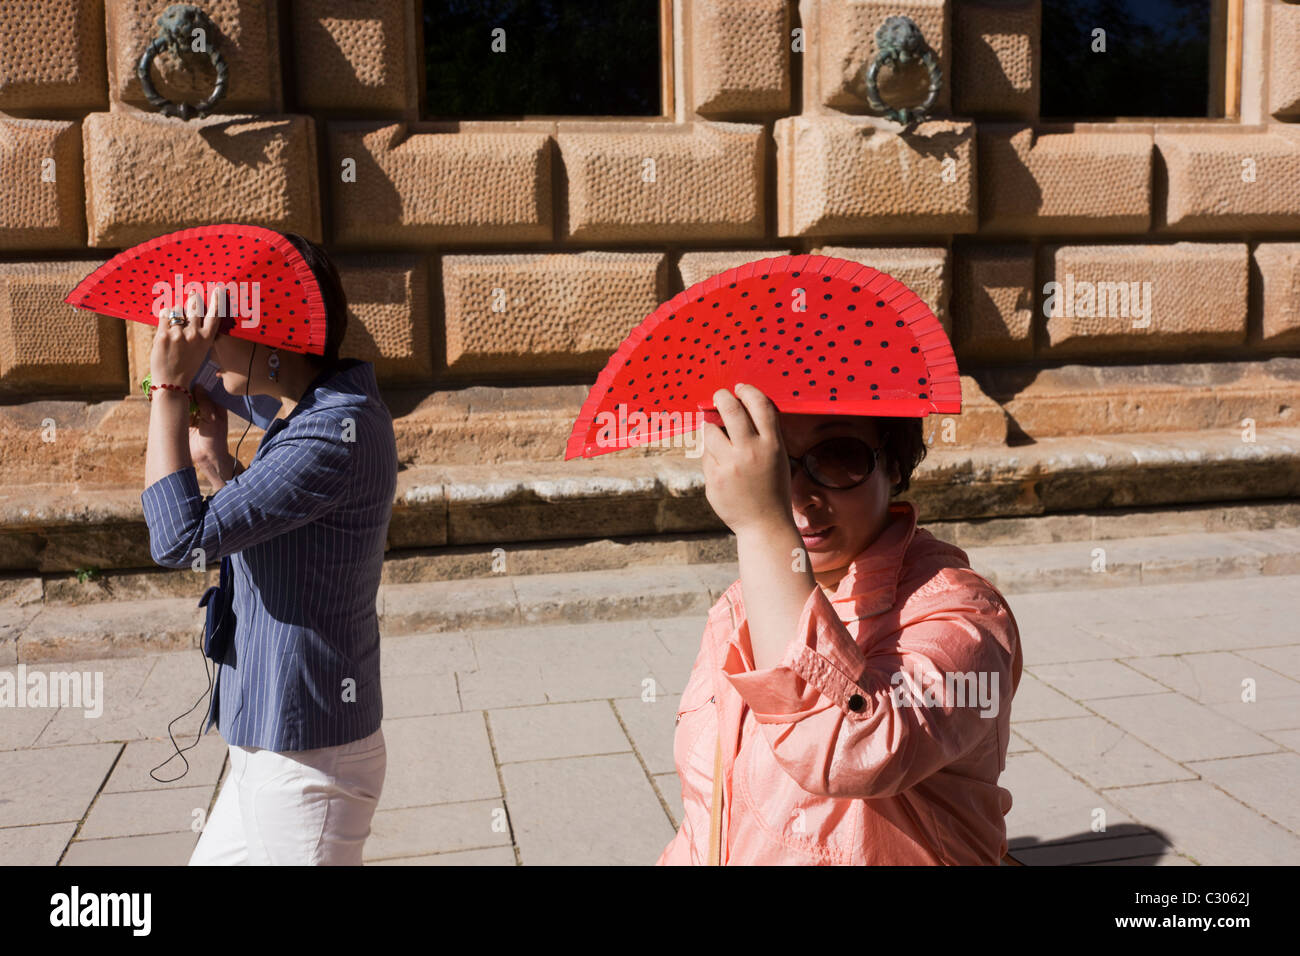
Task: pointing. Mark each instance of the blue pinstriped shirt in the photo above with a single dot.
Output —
(305, 527)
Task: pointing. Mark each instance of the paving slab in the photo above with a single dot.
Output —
(1215, 676)
(494, 856)
(1050, 806)
(556, 730)
(1267, 783)
(206, 759)
(442, 759)
(440, 828)
(144, 812)
(1101, 754)
(1035, 700)
(586, 809)
(40, 845)
(1086, 680)
(165, 849)
(1180, 728)
(52, 784)
(651, 724)
(1207, 825)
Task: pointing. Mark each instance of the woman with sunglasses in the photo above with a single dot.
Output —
(850, 703)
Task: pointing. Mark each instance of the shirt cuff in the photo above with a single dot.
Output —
(813, 673)
(171, 505)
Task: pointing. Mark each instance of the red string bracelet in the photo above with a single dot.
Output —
(179, 388)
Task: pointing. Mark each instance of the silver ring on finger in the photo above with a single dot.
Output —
(178, 318)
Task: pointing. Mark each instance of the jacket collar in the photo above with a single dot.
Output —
(350, 382)
(870, 585)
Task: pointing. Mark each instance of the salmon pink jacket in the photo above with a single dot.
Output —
(856, 748)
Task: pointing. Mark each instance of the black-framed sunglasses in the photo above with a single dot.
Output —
(838, 463)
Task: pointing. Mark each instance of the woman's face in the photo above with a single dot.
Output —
(837, 525)
(231, 356)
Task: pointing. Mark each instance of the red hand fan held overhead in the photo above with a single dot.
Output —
(818, 335)
(270, 294)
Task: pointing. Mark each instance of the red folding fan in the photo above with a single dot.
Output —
(818, 335)
(274, 300)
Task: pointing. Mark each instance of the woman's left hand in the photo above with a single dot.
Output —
(179, 350)
(747, 470)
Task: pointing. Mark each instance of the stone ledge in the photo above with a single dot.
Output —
(34, 634)
(53, 528)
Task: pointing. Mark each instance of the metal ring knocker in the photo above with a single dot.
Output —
(899, 41)
(177, 27)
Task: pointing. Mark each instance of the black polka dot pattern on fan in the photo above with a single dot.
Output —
(125, 285)
(695, 332)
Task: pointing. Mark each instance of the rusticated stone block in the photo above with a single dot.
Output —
(52, 55)
(41, 204)
(148, 174)
(845, 176)
(356, 57)
(1284, 60)
(1142, 298)
(1278, 265)
(1233, 180)
(996, 56)
(740, 56)
(844, 43)
(663, 181)
(419, 183)
(542, 313)
(1040, 182)
(695, 267)
(923, 269)
(248, 38)
(46, 343)
(388, 315)
(486, 425)
(994, 296)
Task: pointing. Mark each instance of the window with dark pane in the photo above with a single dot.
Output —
(560, 58)
(1156, 60)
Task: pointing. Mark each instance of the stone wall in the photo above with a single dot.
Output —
(767, 147)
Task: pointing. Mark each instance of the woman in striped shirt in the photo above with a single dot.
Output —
(304, 526)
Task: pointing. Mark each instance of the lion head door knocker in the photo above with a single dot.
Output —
(899, 41)
(186, 31)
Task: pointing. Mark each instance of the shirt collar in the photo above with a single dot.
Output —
(870, 585)
(338, 385)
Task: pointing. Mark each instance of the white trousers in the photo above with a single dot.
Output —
(297, 808)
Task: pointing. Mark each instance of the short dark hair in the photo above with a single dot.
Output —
(331, 290)
(903, 443)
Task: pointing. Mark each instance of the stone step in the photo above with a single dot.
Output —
(57, 528)
(35, 633)
(414, 565)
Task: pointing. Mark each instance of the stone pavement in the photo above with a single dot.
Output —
(553, 744)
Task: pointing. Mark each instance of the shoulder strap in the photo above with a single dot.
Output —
(715, 810)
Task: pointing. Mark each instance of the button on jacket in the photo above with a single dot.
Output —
(855, 749)
(305, 526)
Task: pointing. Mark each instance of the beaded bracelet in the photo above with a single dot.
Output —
(179, 388)
(149, 389)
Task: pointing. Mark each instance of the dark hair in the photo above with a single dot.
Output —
(904, 444)
(331, 290)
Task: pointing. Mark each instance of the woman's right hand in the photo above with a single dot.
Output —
(208, 448)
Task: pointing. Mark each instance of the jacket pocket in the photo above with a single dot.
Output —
(817, 828)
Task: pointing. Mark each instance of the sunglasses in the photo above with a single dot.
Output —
(837, 463)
